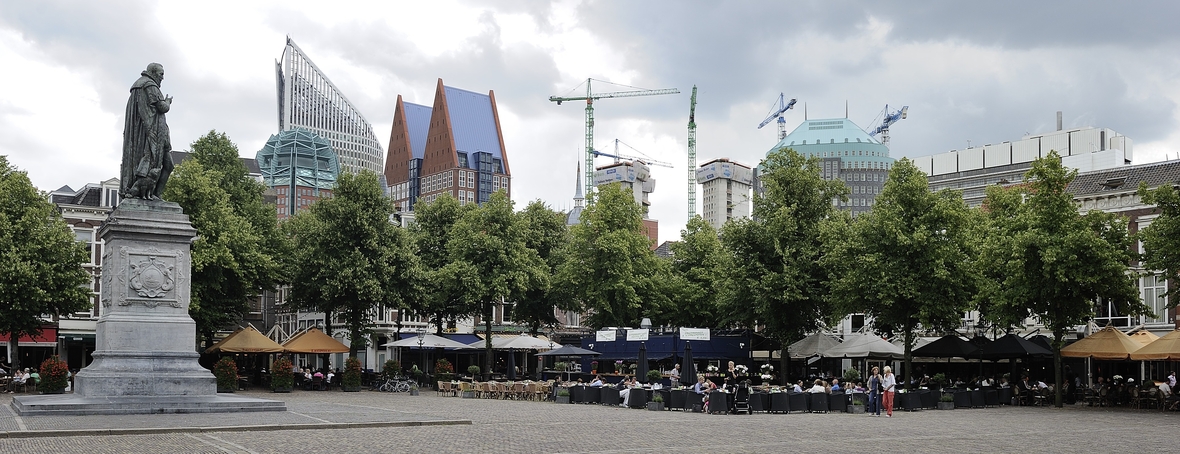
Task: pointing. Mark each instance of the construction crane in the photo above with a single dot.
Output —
(890, 118)
(692, 155)
(589, 98)
(643, 159)
(777, 112)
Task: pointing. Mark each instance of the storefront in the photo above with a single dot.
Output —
(31, 350)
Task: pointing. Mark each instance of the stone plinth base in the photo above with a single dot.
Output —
(72, 404)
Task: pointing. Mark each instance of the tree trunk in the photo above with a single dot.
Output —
(487, 345)
(1058, 336)
(13, 352)
(784, 362)
(909, 364)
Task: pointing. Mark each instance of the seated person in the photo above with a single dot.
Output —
(597, 383)
(702, 386)
(328, 378)
(817, 387)
(798, 387)
(836, 385)
(625, 390)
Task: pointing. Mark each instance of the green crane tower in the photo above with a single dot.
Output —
(692, 155)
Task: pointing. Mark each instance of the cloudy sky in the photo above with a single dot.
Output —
(969, 71)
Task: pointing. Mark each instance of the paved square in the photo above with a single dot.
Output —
(526, 427)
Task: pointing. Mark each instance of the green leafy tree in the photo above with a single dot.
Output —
(40, 259)
(489, 255)
(1161, 239)
(910, 262)
(351, 260)
(695, 271)
(1043, 259)
(774, 276)
(546, 234)
(441, 297)
(234, 255)
(611, 269)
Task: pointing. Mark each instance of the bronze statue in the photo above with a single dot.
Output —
(147, 157)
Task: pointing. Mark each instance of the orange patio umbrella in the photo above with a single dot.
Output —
(314, 341)
(1143, 337)
(246, 340)
(1107, 344)
(1166, 348)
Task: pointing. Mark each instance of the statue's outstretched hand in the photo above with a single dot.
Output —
(168, 99)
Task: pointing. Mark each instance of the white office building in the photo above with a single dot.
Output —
(725, 191)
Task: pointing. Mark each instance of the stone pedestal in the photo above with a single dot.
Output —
(145, 360)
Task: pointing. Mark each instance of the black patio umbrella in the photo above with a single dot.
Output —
(689, 375)
(512, 365)
(1043, 341)
(569, 350)
(950, 346)
(641, 369)
(1012, 346)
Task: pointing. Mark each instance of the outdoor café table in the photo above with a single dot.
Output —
(1004, 395)
(678, 398)
(991, 398)
(610, 396)
(797, 402)
(780, 402)
(977, 398)
(637, 398)
(718, 402)
(593, 395)
(838, 401)
(962, 399)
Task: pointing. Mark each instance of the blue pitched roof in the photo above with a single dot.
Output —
(472, 122)
(418, 125)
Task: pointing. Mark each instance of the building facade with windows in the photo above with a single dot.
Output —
(299, 166)
(847, 153)
(453, 148)
(973, 169)
(725, 191)
(307, 99)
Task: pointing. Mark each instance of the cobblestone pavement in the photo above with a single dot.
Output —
(526, 427)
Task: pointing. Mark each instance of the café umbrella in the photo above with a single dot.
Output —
(1166, 348)
(1107, 344)
(641, 369)
(689, 376)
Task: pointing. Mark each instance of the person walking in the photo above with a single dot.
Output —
(888, 383)
(875, 392)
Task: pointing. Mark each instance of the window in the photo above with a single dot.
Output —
(1154, 290)
(86, 236)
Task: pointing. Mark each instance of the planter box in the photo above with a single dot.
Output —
(946, 405)
(225, 390)
(856, 409)
(560, 399)
(413, 392)
(655, 406)
(282, 390)
(351, 389)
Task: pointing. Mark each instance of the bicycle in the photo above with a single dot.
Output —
(394, 385)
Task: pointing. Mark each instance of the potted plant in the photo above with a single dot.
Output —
(351, 380)
(563, 396)
(391, 368)
(851, 375)
(226, 371)
(946, 402)
(55, 375)
(657, 402)
(444, 370)
(281, 377)
(473, 371)
(653, 376)
(414, 389)
(937, 380)
(594, 367)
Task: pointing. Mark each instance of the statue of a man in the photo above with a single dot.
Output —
(147, 158)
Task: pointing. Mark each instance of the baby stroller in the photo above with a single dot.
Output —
(741, 399)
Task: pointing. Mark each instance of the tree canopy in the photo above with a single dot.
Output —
(350, 259)
(696, 274)
(442, 294)
(546, 234)
(611, 268)
(1161, 239)
(234, 255)
(1043, 259)
(40, 260)
(909, 263)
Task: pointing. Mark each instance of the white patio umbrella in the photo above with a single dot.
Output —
(429, 341)
(521, 342)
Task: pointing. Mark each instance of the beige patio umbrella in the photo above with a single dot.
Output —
(1143, 337)
(1166, 348)
(246, 340)
(1107, 344)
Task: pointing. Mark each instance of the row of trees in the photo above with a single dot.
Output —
(914, 264)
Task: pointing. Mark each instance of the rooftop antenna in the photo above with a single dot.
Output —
(845, 109)
(804, 111)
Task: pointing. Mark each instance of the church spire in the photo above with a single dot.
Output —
(578, 197)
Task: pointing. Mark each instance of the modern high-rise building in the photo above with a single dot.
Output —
(636, 176)
(846, 152)
(300, 167)
(973, 169)
(308, 100)
(455, 147)
(725, 191)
